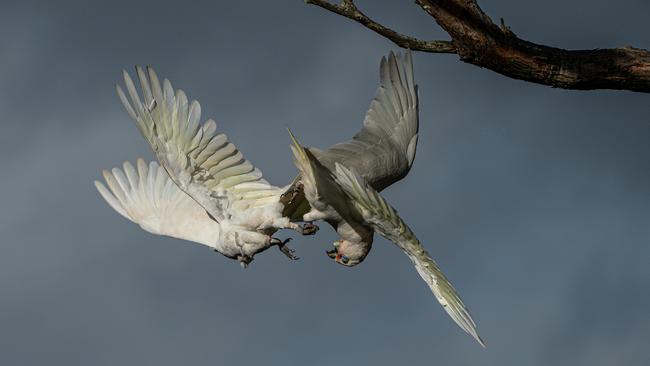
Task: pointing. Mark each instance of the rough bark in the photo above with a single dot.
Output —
(478, 41)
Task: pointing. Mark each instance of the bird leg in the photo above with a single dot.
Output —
(334, 252)
(284, 248)
(306, 229)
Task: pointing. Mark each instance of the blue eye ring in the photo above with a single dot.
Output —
(345, 259)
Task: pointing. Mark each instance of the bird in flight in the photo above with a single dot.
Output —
(202, 189)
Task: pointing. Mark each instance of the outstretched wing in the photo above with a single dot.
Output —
(202, 162)
(384, 150)
(145, 195)
(377, 212)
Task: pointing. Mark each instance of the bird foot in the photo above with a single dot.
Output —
(309, 229)
(284, 248)
(244, 260)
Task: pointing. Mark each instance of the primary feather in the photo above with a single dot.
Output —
(146, 196)
(384, 150)
(201, 161)
(204, 189)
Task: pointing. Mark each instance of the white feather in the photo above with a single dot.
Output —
(384, 219)
(201, 162)
(150, 199)
(384, 150)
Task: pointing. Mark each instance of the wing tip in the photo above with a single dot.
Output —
(296, 147)
(480, 341)
(98, 184)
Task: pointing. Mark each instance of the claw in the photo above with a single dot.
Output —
(284, 248)
(244, 260)
(288, 252)
(309, 229)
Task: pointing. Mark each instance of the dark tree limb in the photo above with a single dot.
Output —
(478, 41)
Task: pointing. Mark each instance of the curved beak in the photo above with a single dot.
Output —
(332, 254)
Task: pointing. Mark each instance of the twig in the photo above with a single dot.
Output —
(348, 9)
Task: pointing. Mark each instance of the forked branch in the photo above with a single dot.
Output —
(478, 41)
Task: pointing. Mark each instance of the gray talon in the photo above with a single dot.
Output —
(284, 248)
(309, 229)
(244, 260)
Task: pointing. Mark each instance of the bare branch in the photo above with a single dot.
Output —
(348, 9)
(478, 41)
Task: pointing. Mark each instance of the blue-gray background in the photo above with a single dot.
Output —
(535, 201)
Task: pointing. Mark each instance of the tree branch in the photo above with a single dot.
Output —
(478, 41)
(349, 10)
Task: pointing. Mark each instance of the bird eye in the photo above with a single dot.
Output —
(345, 259)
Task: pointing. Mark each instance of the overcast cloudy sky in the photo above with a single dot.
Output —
(535, 201)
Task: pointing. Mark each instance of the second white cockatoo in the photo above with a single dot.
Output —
(341, 184)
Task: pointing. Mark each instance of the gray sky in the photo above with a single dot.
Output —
(535, 201)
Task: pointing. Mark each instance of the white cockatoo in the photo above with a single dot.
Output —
(341, 183)
(204, 190)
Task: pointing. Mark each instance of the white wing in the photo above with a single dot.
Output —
(384, 150)
(198, 159)
(377, 212)
(146, 196)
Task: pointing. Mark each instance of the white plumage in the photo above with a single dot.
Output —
(233, 209)
(146, 196)
(380, 154)
(202, 162)
(384, 150)
(383, 218)
(205, 191)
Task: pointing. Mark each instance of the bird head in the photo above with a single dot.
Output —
(349, 253)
